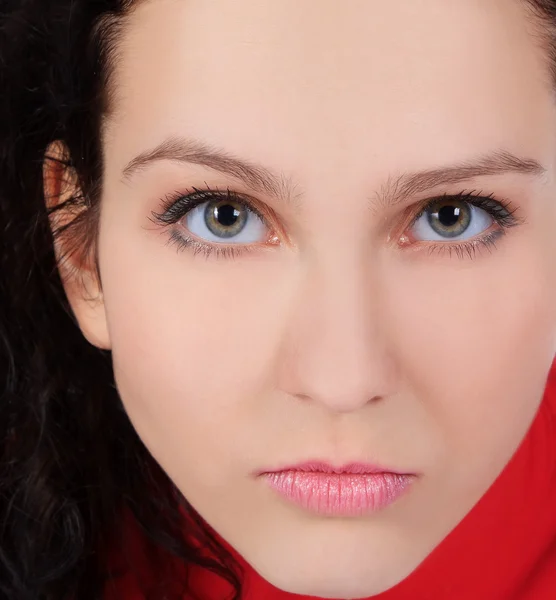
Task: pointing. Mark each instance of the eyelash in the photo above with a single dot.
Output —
(176, 206)
(501, 210)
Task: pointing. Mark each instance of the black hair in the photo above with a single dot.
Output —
(74, 475)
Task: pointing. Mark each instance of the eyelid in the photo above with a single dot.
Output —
(193, 196)
(504, 216)
(499, 207)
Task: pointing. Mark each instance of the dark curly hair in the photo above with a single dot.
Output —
(74, 476)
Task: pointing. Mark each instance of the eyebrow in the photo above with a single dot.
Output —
(191, 151)
(499, 162)
(394, 190)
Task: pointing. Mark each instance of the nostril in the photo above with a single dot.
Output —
(339, 402)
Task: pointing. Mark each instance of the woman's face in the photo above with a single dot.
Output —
(339, 325)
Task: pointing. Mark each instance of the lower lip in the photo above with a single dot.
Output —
(339, 494)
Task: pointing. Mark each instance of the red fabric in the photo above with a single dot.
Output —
(504, 549)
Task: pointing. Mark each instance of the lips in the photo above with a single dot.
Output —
(352, 490)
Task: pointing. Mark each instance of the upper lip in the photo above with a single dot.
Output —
(320, 466)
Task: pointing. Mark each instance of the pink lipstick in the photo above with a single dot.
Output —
(353, 490)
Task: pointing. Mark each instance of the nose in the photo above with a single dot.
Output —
(335, 351)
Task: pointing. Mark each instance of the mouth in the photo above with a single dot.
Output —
(351, 490)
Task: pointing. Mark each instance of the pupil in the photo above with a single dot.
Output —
(226, 215)
(449, 215)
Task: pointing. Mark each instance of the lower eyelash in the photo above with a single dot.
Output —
(177, 205)
(468, 248)
(462, 249)
(182, 242)
(501, 211)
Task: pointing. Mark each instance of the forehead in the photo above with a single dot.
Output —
(369, 76)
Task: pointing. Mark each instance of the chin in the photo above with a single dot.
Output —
(352, 581)
(343, 587)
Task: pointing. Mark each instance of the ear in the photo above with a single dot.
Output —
(76, 264)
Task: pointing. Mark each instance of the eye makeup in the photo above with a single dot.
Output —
(177, 206)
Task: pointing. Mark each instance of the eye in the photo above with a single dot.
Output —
(225, 220)
(213, 222)
(451, 219)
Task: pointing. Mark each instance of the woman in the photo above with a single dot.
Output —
(278, 291)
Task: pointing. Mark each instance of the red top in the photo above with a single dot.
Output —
(504, 549)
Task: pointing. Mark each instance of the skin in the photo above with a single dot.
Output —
(348, 340)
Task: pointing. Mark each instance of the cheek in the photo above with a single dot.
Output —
(192, 347)
(475, 340)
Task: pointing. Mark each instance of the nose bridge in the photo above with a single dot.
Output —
(336, 351)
